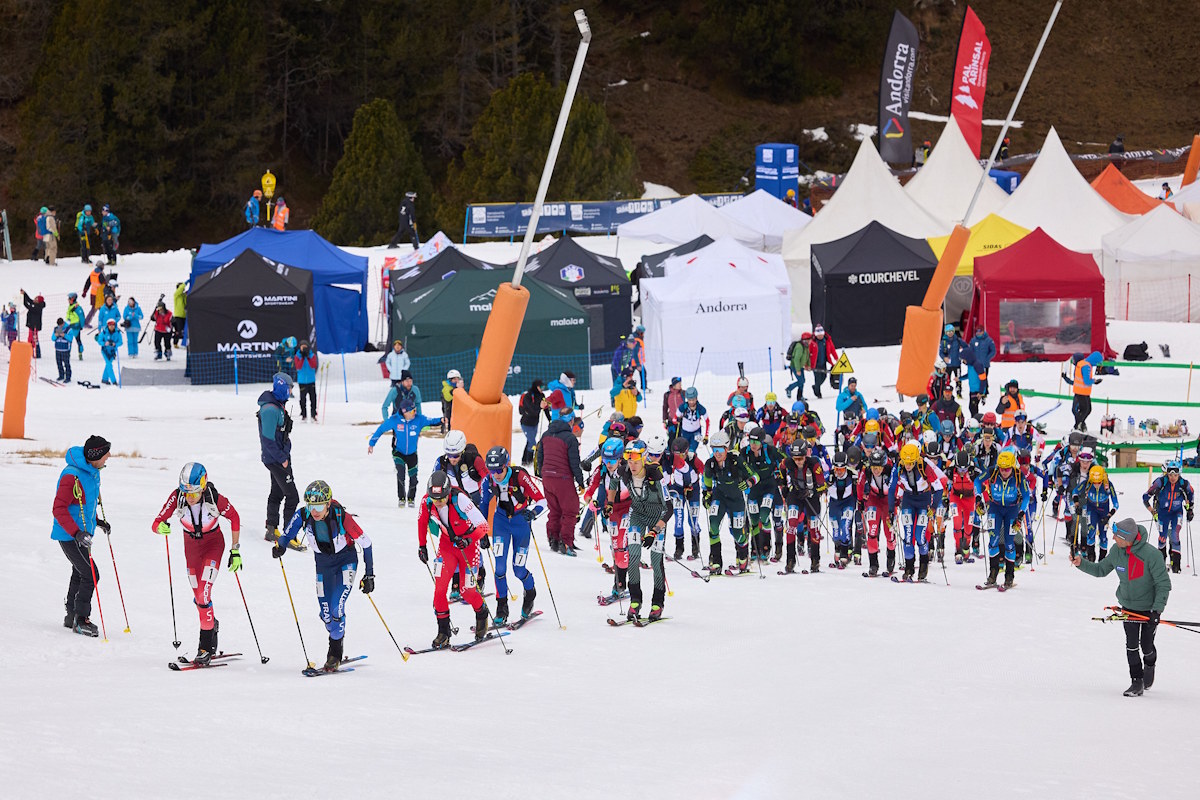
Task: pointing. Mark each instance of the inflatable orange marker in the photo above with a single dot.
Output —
(484, 413)
(1193, 162)
(923, 323)
(17, 391)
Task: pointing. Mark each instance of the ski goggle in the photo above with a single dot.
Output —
(635, 456)
(439, 501)
(454, 456)
(718, 450)
(193, 496)
(317, 508)
(1172, 470)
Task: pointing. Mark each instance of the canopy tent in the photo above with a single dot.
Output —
(684, 220)
(652, 265)
(1187, 200)
(448, 318)
(444, 265)
(1122, 194)
(339, 280)
(764, 212)
(868, 193)
(862, 284)
(1040, 301)
(1151, 268)
(727, 254)
(239, 312)
(729, 309)
(1056, 198)
(598, 282)
(945, 185)
(988, 235)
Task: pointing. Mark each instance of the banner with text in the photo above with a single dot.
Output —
(502, 220)
(895, 91)
(970, 80)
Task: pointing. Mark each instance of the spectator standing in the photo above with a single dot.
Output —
(275, 443)
(62, 350)
(162, 332)
(110, 233)
(454, 380)
(8, 319)
(397, 361)
(556, 462)
(39, 229)
(305, 366)
(180, 319)
(51, 222)
(407, 228)
(799, 359)
(85, 226)
(75, 523)
(821, 353)
(529, 406)
(252, 212)
(131, 320)
(33, 320)
(75, 321)
(282, 215)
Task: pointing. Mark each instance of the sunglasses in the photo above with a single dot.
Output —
(193, 496)
(455, 456)
(718, 449)
(317, 508)
(440, 501)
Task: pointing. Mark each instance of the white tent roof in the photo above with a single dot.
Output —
(869, 193)
(728, 255)
(1160, 235)
(767, 214)
(1057, 199)
(683, 221)
(945, 185)
(1188, 194)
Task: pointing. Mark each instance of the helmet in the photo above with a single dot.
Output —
(496, 459)
(112, 322)
(922, 399)
(718, 439)
(411, 195)
(905, 417)
(989, 419)
(949, 330)
(878, 458)
(841, 460)
(680, 445)
(1172, 465)
(962, 460)
(452, 374)
(1006, 460)
(757, 434)
(635, 450)
(973, 425)
(656, 445)
(193, 478)
(690, 393)
(639, 329)
(741, 414)
(798, 449)
(616, 416)
(455, 443)
(772, 397)
(617, 429)
(810, 433)
(318, 493)
(1024, 456)
(854, 454)
(794, 418)
(870, 440)
(1021, 415)
(872, 426)
(939, 365)
(613, 450)
(407, 406)
(910, 454)
(738, 401)
(1086, 453)
(929, 439)
(1012, 384)
(799, 407)
(438, 487)
(281, 386)
(947, 388)
(743, 383)
(72, 296)
(948, 428)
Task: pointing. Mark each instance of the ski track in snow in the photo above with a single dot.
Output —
(826, 685)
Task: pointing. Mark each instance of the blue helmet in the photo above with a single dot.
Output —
(193, 478)
(613, 449)
(407, 406)
(799, 407)
(690, 393)
(948, 428)
(1172, 465)
(873, 413)
(281, 386)
(87, 208)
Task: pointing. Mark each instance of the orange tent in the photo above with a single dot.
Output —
(1120, 192)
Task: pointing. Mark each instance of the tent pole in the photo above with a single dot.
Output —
(560, 128)
(1012, 112)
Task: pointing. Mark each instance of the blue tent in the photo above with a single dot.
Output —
(339, 309)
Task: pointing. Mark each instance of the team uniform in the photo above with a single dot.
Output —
(1168, 501)
(518, 501)
(725, 484)
(764, 501)
(649, 511)
(461, 530)
(685, 473)
(803, 482)
(1006, 498)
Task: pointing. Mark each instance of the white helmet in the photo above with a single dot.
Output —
(453, 374)
(741, 414)
(929, 439)
(656, 445)
(743, 383)
(939, 365)
(455, 443)
(718, 439)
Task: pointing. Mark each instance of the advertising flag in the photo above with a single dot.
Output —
(970, 80)
(895, 91)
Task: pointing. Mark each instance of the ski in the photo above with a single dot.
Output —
(641, 623)
(458, 648)
(899, 579)
(734, 572)
(52, 382)
(516, 625)
(412, 652)
(316, 672)
(985, 586)
(484, 595)
(810, 572)
(877, 575)
(787, 572)
(609, 599)
(182, 664)
(617, 623)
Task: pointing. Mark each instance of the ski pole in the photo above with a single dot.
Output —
(96, 586)
(245, 605)
(499, 634)
(511, 595)
(403, 655)
(697, 372)
(433, 580)
(695, 574)
(294, 615)
(113, 556)
(171, 584)
(538, 550)
(1122, 615)
(1191, 549)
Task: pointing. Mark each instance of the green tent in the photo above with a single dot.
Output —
(442, 325)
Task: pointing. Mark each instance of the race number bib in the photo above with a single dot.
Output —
(767, 501)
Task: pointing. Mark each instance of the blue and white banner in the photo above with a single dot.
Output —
(503, 220)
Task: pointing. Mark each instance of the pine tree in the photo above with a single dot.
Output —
(379, 164)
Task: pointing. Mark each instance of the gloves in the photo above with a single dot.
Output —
(164, 528)
(946, 502)
(103, 525)
(979, 508)
(579, 488)
(1155, 616)
(1045, 494)
(704, 440)
(485, 542)
(367, 584)
(530, 514)
(579, 406)
(235, 560)
(423, 554)
(459, 541)
(608, 510)
(83, 539)
(278, 550)
(1190, 514)
(743, 486)
(648, 539)
(706, 497)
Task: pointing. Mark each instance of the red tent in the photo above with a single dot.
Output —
(1040, 301)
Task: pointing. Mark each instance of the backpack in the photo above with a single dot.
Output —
(470, 453)
(1137, 352)
(791, 349)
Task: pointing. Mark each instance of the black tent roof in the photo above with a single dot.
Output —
(652, 265)
(444, 265)
(568, 265)
(250, 270)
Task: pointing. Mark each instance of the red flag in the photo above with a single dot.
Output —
(970, 79)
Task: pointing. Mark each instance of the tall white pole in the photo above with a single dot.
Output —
(560, 127)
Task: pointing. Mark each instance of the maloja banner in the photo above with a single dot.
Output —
(970, 80)
(895, 91)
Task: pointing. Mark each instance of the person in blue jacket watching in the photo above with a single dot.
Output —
(252, 212)
(950, 349)
(110, 233)
(108, 311)
(402, 391)
(274, 439)
(75, 523)
(109, 339)
(977, 354)
(850, 402)
(305, 364)
(405, 428)
(131, 321)
(1169, 497)
(1006, 494)
(565, 386)
(625, 357)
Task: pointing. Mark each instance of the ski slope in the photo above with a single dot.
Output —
(824, 685)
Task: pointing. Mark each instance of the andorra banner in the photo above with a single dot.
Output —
(970, 80)
(895, 91)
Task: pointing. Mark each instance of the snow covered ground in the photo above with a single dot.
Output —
(819, 686)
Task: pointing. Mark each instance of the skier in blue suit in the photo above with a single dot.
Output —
(405, 428)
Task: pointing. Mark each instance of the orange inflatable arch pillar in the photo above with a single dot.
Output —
(16, 393)
(1193, 162)
(923, 323)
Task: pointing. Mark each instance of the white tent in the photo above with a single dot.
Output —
(729, 300)
(767, 214)
(869, 193)
(1187, 200)
(1152, 268)
(1057, 199)
(683, 221)
(945, 185)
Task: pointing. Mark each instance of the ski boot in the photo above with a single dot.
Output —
(778, 556)
(412, 503)
(501, 616)
(1174, 561)
(678, 548)
(1103, 552)
(993, 572)
(481, 622)
(527, 603)
(272, 534)
(84, 627)
(69, 619)
(715, 562)
(207, 647)
(695, 549)
(1148, 676)
(891, 562)
(858, 559)
(958, 558)
(873, 562)
(741, 564)
(657, 611)
(790, 564)
(569, 550)
(1135, 689)
(333, 658)
(814, 559)
(632, 613)
(442, 640)
(909, 567)
(923, 568)
(1009, 569)
(455, 595)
